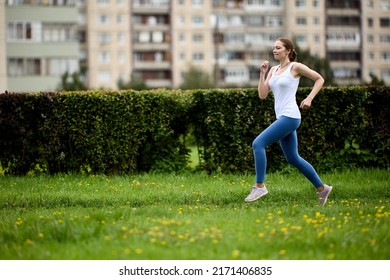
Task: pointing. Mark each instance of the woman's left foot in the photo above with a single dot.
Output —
(323, 195)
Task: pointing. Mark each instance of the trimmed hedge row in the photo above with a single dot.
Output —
(346, 127)
(128, 131)
(94, 132)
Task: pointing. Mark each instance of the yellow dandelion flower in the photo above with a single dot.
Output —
(28, 242)
(296, 228)
(282, 252)
(235, 253)
(331, 256)
(260, 234)
(40, 235)
(138, 251)
(107, 237)
(127, 251)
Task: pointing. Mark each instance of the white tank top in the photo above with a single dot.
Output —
(284, 88)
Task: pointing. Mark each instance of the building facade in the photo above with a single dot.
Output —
(41, 43)
(158, 40)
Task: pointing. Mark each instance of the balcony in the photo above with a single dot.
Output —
(151, 6)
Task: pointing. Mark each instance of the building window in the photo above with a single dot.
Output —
(33, 67)
(385, 22)
(104, 76)
(301, 21)
(59, 33)
(180, 20)
(370, 39)
(198, 57)
(104, 38)
(385, 5)
(197, 3)
(182, 57)
(370, 22)
(121, 38)
(300, 3)
(103, 2)
(58, 66)
(385, 57)
(182, 38)
(385, 74)
(384, 39)
(104, 57)
(301, 39)
(197, 20)
(24, 31)
(103, 19)
(15, 67)
(121, 57)
(197, 38)
(120, 19)
(143, 37)
(158, 37)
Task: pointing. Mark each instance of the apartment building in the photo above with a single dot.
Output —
(41, 43)
(158, 40)
(106, 30)
(375, 49)
(3, 60)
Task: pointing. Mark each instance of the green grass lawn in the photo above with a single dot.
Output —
(194, 216)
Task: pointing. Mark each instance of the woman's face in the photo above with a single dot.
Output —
(279, 50)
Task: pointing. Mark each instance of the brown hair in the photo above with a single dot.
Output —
(289, 46)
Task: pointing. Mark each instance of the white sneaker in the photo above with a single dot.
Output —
(256, 193)
(323, 195)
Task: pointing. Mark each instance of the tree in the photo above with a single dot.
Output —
(196, 78)
(134, 83)
(71, 82)
(375, 81)
(321, 65)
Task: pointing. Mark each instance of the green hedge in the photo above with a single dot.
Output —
(95, 132)
(128, 131)
(346, 127)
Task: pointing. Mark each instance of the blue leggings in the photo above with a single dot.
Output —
(284, 130)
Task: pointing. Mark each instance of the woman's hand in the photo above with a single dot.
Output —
(306, 103)
(264, 67)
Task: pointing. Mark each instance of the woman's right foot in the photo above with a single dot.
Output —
(256, 193)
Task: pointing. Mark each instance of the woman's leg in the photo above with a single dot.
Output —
(276, 131)
(289, 146)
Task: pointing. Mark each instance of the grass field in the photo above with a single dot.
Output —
(194, 216)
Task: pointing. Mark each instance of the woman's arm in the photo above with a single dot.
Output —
(300, 69)
(263, 87)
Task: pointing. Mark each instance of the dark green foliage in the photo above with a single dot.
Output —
(196, 78)
(141, 131)
(96, 132)
(346, 127)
